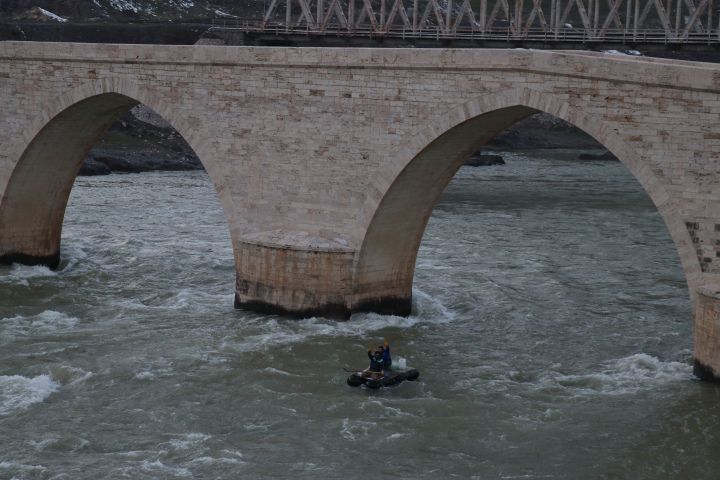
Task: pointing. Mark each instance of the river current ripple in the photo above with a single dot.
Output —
(551, 325)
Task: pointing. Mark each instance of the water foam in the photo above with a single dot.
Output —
(395, 436)
(183, 300)
(144, 375)
(383, 410)
(18, 392)
(279, 372)
(22, 274)
(216, 460)
(427, 306)
(188, 440)
(157, 465)
(354, 429)
(25, 471)
(48, 321)
(65, 375)
(427, 310)
(41, 445)
(626, 375)
(72, 254)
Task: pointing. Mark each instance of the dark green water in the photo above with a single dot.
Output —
(552, 329)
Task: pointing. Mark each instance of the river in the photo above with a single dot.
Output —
(551, 326)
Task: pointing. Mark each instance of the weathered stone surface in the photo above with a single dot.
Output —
(328, 162)
(707, 334)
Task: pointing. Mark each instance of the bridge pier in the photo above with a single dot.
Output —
(285, 277)
(707, 334)
(36, 193)
(305, 279)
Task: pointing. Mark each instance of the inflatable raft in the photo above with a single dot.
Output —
(377, 380)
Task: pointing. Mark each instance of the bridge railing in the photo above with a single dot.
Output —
(646, 21)
(657, 36)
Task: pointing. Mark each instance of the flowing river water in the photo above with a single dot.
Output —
(551, 326)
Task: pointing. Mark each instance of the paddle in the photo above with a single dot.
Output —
(375, 375)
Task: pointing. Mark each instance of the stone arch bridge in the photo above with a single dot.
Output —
(328, 162)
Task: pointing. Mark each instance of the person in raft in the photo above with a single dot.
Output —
(380, 361)
(376, 361)
(387, 360)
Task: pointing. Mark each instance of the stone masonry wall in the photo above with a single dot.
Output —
(707, 334)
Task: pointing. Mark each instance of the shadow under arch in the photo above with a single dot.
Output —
(32, 207)
(409, 188)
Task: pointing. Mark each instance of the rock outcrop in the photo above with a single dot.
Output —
(133, 10)
(141, 141)
(542, 131)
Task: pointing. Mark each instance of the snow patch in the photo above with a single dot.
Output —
(124, 6)
(632, 53)
(220, 13)
(52, 16)
(146, 115)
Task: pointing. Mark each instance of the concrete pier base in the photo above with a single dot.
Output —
(707, 334)
(400, 307)
(292, 274)
(300, 276)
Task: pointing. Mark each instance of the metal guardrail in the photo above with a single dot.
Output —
(613, 21)
(646, 36)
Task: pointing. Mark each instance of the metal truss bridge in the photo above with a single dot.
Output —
(607, 21)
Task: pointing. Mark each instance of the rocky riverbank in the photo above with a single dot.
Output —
(542, 131)
(126, 11)
(140, 142)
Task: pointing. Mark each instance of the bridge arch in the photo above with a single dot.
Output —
(52, 151)
(414, 181)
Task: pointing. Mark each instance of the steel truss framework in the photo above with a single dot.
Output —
(677, 21)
